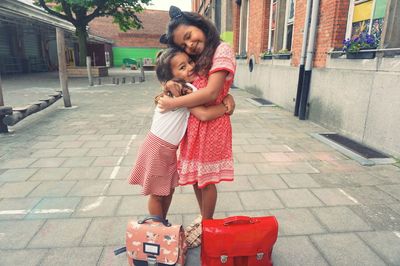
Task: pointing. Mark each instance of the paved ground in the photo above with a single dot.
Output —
(64, 199)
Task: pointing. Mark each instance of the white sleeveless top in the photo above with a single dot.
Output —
(171, 126)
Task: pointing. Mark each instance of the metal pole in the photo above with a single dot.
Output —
(1, 94)
(303, 57)
(309, 61)
(62, 66)
(89, 69)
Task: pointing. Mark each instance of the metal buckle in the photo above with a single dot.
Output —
(151, 261)
(260, 256)
(224, 258)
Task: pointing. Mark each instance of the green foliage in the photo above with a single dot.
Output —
(284, 51)
(266, 53)
(81, 12)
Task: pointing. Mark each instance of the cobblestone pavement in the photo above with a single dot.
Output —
(64, 199)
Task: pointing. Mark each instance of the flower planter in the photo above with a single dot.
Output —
(360, 55)
(266, 57)
(282, 56)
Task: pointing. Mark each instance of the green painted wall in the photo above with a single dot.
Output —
(227, 36)
(137, 53)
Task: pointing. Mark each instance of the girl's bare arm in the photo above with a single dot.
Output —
(208, 94)
(206, 113)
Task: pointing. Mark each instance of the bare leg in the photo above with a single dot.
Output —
(166, 203)
(209, 200)
(198, 194)
(155, 205)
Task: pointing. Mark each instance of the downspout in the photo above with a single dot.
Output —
(270, 26)
(309, 61)
(303, 57)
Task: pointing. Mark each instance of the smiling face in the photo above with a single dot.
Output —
(190, 38)
(182, 67)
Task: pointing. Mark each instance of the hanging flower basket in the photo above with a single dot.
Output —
(360, 55)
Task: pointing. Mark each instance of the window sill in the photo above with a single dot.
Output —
(384, 64)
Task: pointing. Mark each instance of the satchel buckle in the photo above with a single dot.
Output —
(224, 258)
(260, 256)
(151, 261)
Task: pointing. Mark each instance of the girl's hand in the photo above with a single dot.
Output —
(165, 104)
(229, 103)
(173, 87)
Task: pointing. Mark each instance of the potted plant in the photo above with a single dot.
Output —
(240, 56)
(354, 46)
(266, 55)
(283, 54)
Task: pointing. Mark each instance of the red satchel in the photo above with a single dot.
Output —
(238, 241)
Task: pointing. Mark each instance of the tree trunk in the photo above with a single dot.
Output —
(82, 42)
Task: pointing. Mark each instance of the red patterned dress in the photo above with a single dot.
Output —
(206, 150)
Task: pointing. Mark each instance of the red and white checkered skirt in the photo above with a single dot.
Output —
(156, 167)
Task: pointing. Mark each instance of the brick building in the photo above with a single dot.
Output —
(142, 43)
(358, 98)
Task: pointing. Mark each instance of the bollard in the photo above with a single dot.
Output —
(133, 80)
(123, 80)
(99, 81)
(113, 80)
(117, 81)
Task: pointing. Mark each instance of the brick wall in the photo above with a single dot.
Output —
(330, 33)
(154, 25)
(258, 27)
(236, 25)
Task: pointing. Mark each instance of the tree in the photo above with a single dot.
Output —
(81, 12)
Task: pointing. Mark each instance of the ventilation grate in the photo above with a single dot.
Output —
(260, 102)
(356, 147)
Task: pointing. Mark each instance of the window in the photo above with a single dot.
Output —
(366, 16)
(244, 14)
(272, 25)
(281, 25)
(289, 25)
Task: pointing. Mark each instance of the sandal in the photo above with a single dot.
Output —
(193, 233)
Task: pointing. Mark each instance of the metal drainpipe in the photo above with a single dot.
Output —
(303, 57)
(309, 61)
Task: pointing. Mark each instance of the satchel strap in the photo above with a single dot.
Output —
(239, 219)
(155, 218)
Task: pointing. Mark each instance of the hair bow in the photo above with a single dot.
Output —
(164, 39)
(175, 12)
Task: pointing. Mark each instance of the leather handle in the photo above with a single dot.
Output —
(155, 218)
(119, 251)
(238, 220)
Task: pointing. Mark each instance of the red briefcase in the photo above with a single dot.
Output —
(238, 241)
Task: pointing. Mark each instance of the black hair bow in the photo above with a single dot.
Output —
(164, 39)
(175, 12)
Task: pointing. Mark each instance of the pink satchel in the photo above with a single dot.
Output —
(154, 241)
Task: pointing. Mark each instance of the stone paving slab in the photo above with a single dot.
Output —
(58, 233)
(389, 245)
(72, 256)
(346, 249)
(64, 199)
(296, 250)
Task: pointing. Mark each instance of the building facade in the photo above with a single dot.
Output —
(28, 40)
(134, 44)
(358, 98)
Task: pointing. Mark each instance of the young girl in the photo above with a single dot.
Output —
(206, 150)
(156, 167)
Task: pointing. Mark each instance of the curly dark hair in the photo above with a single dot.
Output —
(204, 60)
(163, 63)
